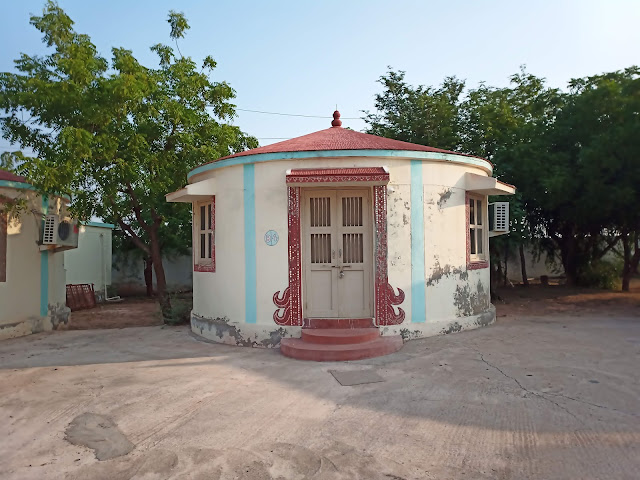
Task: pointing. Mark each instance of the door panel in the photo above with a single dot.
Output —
(319, 254)
(337, 253)
(320, 296)
(354, 253)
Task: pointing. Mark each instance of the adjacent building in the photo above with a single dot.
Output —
(32, 277)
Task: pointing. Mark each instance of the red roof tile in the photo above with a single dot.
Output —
(11, 177)
(337, 138)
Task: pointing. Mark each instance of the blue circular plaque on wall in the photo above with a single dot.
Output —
(271, 238)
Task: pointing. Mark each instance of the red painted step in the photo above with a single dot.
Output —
(301, 350)
(339, 336)
(338, 323)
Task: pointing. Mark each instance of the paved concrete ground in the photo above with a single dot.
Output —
(540, 398)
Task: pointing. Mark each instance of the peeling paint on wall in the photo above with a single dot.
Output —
(485, 319)
(452, 328)
(471, 303)
(407, 334)
(444, 196)
(230, 334)
(59, 313)
(440, 272)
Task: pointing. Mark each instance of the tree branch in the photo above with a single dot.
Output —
(137, 210)
(134, 238)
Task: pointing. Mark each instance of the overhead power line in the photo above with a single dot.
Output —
(295, 114)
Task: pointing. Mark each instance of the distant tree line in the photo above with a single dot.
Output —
(573, 155)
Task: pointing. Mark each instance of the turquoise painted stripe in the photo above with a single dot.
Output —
(250, 281)
(99, 224)
(17, 185)
(266, 157)
(25, 186)
(44, 270)
(418, 312)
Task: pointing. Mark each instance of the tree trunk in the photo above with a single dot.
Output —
(626, 267)
(631, 260)
(158, 268)
(148, 275)
(505, 279)
(499, 275)
(493, 281)
(569, 256)
(523, 266)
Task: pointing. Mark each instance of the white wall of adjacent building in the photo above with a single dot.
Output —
(91, 261)
(32, 297)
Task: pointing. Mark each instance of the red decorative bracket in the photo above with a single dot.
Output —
(289, 304)
(385, 295)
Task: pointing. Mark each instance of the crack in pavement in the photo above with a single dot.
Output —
(591, 404)
(536, 394)
(543, 394)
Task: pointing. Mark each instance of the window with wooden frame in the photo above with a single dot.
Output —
(204, 249)
(477, 231)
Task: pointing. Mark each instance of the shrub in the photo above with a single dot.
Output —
(180, 311)
(602, 274)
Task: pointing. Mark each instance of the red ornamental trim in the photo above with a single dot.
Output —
(339, 178)
(385, 296)
(289, 304)
(477, 265)
(335, 175)
(210, 267)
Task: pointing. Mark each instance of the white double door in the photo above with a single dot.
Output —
(337, 253)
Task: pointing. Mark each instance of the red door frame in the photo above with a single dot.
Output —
(289, 303)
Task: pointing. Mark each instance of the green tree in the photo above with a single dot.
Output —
(422, 115)
(117, 135)
(9, 161)
(485, 121)
(600, 128)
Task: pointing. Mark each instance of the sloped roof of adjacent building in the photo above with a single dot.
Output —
(12, 177)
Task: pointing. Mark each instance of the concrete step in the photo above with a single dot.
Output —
(339, 336)
(337, 322)
(301, 350)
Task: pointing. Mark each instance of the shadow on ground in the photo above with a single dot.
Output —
(530, 397)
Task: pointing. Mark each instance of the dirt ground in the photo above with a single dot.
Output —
(514, 302)
(555, 299)
(531, 397)
(131, 312)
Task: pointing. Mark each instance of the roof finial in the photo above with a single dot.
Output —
(336, 119)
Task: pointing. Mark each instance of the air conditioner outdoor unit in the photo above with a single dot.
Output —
(498, 218)
(61, 233)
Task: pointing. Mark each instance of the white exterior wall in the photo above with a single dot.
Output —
(455, 298)
(91, 261)
(33, 298)
(220, 294)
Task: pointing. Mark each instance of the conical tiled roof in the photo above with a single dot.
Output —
(338, 138)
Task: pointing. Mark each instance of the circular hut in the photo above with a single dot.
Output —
(340, 245)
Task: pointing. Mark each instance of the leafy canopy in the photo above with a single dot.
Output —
(115, 134)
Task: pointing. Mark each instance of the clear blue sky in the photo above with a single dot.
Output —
(305, 57)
